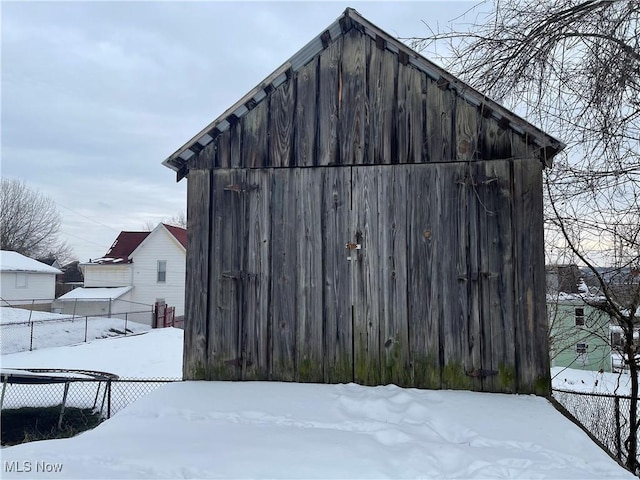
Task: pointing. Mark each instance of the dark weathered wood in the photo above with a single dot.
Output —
(309, 291)
(196, 323)
(359, 147)
(423, 253)
(254, 142)
(496, 142)
(284, 238)
(467, 124)
(336, 233)
(381, 123)
(392, 242)
(206, 158)
(453, 275)
(223, 152)
(235, 145)
(226, 298)
(352, 100)
(412, 100)
(494, 294)
(329, 94)
(365, 263)
(520, 148)
(306, 116)
(281, 117)
(255, 350)
(440, 104)
(532, 358)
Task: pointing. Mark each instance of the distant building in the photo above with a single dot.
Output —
(26, 282)
(140, 269)
(579, 334)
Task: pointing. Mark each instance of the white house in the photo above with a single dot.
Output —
(26, 282)
(152, 264)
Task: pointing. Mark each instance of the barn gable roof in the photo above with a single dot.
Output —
(349, 20)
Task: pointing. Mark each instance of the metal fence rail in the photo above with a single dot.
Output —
(107, 397)
(606, 417)
(31, 335)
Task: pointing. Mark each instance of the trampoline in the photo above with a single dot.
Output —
(49, 376)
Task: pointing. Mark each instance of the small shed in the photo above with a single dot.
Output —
(364, 216)
(25, 282)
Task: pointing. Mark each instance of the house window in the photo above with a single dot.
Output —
(21, 280)
(582, 357)
(162, 271)
(579, 317)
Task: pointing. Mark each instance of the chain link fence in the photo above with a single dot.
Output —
(65, 392)
(606, 417)
(60, 330)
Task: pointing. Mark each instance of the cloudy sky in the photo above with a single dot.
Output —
(96, 94)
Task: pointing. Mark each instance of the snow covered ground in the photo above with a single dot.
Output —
(286, 430)
(155, 354)
(54, 330)
(590, 382)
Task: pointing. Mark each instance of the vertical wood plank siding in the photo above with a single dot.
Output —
(358, 147)
(196, 355)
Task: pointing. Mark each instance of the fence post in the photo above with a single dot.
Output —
(109, 398)
(31, 338)
(616, 402)
(126, 318)
(75, 304)
(86, 327)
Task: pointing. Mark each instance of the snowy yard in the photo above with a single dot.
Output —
(590, 382)
(21, 330)
(285, 430)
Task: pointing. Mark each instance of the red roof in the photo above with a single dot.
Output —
(179, 233)
(124, 245)
(127, 242)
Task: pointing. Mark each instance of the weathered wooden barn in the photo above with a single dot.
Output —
(363, 216)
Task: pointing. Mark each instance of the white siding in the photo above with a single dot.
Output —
(159, 245)
(107, 275)
(40, 286)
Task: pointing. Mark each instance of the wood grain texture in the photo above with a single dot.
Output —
(284, 301)
(309, 292)
(393, 268)
(467, 125)
(282, 104)
(423, 254)
(365, 262)
(440, 105)
(235, 146)
(531, 332)
(352, 100)
(226, 300)
(196, 323)
(254, 146)
(306, 114)
(223, 154)
(411, 144)
(329, 94)
(255, 347)
(337, 273)
(381, 116)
